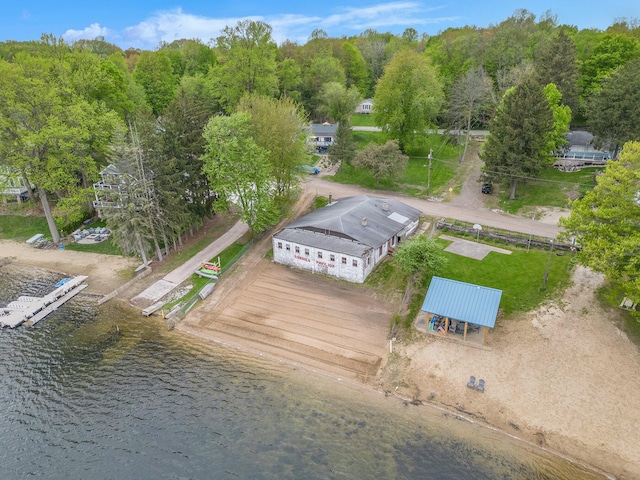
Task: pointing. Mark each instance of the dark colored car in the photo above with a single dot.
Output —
(487, 188)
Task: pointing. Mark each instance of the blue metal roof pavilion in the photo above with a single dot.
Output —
(461, 301)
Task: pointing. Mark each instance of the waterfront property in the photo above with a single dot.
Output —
(453, 307)
(347, 238)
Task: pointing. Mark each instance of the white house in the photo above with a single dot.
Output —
(365, 106)
(13, 185)
(322, 136)
(347, 238)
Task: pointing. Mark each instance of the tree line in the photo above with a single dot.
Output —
(198, 127)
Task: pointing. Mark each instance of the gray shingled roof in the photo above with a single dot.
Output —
(371, 221)
(324, 129)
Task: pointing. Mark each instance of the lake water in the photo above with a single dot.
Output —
(104, 393)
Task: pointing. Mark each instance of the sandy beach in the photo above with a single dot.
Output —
(563, 377)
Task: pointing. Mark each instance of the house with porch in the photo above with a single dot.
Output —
(322, 136)
(365, 106)
(13, 185)
(347, 238)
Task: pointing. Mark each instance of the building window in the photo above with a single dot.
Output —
(280, 245)
(344, 260)
(368, 260)
(288, 247)
(319, 254)
(306, 252)
(355, 262)
(332, 258)
(380, 250)
(297, 249)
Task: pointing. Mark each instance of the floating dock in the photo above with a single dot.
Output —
(31, 310)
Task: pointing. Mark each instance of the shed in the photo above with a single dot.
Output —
(462, 302)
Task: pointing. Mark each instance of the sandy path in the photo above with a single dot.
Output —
(106, 272)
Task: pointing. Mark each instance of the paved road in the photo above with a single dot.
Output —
(319, 186)
(478, 215)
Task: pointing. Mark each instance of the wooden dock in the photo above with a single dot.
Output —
(31, 310)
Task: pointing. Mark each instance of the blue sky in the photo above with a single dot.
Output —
(143, 24)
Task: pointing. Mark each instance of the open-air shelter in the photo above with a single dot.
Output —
(454, 301)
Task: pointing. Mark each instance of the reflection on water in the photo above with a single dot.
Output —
(106, 393)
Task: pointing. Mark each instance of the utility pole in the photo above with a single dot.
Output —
(429, 170)
(546, 273)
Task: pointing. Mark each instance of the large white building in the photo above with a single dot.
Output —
(347, 238)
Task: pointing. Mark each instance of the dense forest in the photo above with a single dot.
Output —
(194, 127)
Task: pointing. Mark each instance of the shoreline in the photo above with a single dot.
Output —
(434, 374)
(371, 389)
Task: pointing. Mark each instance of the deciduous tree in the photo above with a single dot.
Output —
(606, 223)
(471, 98)
(280, 128)
(408, 97)
(247, 62)
(239, 170)
(383, 161)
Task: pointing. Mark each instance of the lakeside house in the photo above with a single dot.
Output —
(365, 106)
(347, 238)
(322, 136)
(114, 190)
(13, 185)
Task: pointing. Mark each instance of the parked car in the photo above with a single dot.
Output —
(487, 188)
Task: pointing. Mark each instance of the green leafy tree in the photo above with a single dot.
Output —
(355, 68)
(49, 133)
(420, 256)
(280, 128)
(613, 51)
(247, 62)
(519, 136)
(339, 102)
(613, 113)
(383, 161)
(561, 119)
(322, 70)
(606, 223)
(239, 170)
(290, 78)
(154, 73)
(408, 97)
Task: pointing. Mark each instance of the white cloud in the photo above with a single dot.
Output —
(92, 31)
(170, 25)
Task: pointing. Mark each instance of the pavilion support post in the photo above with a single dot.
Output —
(486, 333)
(446, 325)
(466, 325)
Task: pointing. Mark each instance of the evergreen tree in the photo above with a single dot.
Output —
(516, 148)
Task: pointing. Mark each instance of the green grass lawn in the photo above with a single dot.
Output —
(519, 275)
(553, 189)
(362, 120)
(106, 247)
(21, 228)
(416, 177)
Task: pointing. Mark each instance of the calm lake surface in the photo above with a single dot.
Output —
(104, 393)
